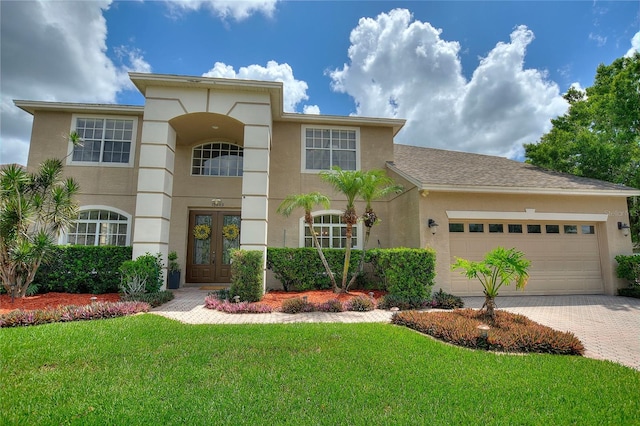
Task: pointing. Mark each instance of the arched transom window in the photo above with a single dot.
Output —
(217, 159)
(331, 231)
(99, 228)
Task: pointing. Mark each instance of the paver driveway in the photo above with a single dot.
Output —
(608, 326)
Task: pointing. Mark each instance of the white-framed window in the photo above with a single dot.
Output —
(99, 226)
(330, 230)
(104, 141)
(324, 147)
(217, 159)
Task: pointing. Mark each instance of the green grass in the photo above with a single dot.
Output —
(146, 369)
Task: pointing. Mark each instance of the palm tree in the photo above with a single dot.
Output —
(34, 209)
(499, 267)
(376, 185)
(307, 202)
(349, 183)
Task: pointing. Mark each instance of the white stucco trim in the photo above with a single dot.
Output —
(528, 214)
(302, 225)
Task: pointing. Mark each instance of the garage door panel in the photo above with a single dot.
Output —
(560, 263)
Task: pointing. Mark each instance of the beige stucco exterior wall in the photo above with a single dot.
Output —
(611, 240)
(100, 185)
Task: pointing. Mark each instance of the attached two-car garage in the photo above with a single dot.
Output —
(564, 255)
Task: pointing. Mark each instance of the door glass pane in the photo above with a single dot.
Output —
(230, 236)
(202, 240)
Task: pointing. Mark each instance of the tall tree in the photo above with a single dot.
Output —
(350, 184)
(375, 186)
(34, 209)
(307, 202)
(599, 136)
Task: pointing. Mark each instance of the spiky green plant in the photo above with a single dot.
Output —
(34, 209)
(499, 267)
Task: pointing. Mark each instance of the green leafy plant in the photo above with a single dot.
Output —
(153, 299)
(403, 303)
(406, 273)
(499, 267)
(147, 269)
(629, 269)
(307, 202)
(34, 208)
(173, 266)
(83, 269)
(246, 275)
(442, 300)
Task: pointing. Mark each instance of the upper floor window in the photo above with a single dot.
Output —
(324, 148)
(98, 227)
(331, 231)
(104, 140)
(217, 159)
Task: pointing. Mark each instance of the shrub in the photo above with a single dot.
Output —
(301, 268)
(407, 273)
(82, 269)
(508, 333)
(246, 275)
(333, 305)
(98, 310)
(144, 272)
(629, 269)
(297, 305)
(403, 303)
(360, 304)
(153, 299)
(212, 302)
(630, 292)
(444, 300)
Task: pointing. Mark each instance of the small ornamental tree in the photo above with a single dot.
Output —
(34, 209)
(307, 202)
(499, 267)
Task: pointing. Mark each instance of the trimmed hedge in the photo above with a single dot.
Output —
(82, 269)
(407, 273)
(629, 269)
(246, 275)
(301, 268)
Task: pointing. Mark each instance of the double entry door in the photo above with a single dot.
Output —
(212, 236)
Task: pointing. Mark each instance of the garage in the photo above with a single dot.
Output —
(564, 255)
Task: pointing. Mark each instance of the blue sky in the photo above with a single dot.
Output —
(472, 76)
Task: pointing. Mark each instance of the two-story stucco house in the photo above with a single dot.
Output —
(219, 152)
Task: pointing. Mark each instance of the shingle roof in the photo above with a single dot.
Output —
(437, 167)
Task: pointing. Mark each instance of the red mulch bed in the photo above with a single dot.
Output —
(52, 300)
(274, 298)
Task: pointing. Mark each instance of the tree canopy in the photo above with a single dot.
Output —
(599, 136)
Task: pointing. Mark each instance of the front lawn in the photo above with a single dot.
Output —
(150, 370)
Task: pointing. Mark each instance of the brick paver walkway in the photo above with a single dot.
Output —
(608, 326)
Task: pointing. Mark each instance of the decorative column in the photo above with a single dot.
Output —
(255, 190)
(155, 187)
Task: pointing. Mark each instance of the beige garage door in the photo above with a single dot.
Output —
(565, 257)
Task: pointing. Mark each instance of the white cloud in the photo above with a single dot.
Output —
(55, 51)
(635, 45)
(295, 91)
(311, 109)
(600, 40)
(236, 9)
(399, 67)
